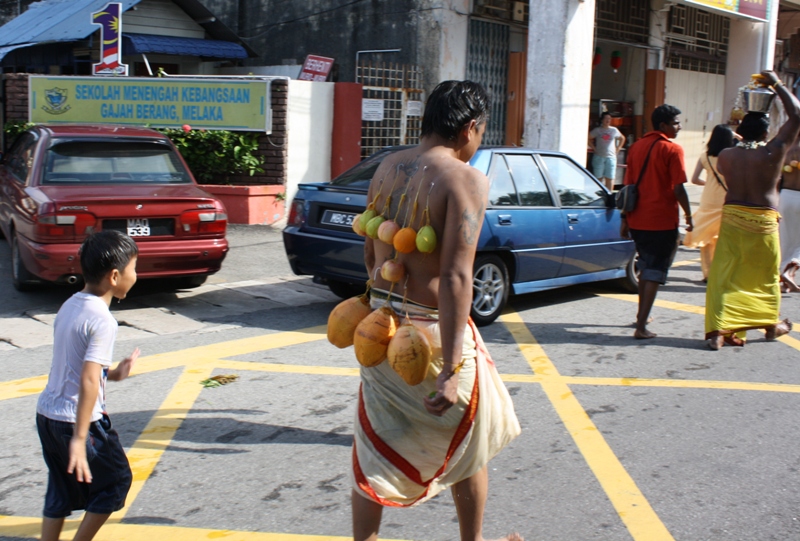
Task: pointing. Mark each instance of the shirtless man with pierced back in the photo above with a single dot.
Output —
(413, 441)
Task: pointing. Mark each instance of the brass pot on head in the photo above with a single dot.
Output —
(758, 100)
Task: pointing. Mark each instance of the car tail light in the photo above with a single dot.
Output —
(64, 225)
(204, 221)
(297, 213)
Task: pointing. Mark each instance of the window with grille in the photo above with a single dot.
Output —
(398, 87)
(697, 40)
(623, 20)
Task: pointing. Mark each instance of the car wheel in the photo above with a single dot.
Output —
(20, 276)
(490, 288)
(345, 290)
(190, 282)
(631, 281)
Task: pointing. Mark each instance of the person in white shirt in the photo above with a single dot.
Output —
(606, 142)
(87, 465)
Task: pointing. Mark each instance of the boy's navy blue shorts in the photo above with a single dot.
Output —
(656, 251)
(111, 472)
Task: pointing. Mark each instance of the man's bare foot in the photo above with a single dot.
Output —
(643, 334)
(779, 329)
(715, 342)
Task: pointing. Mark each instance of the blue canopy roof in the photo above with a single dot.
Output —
(212, 48)
(50, 21)
(54, 20)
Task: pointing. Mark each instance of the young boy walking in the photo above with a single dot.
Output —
(87, 464)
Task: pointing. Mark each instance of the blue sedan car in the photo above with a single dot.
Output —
(549, 224)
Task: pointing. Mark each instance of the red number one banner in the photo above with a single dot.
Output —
(110, 21)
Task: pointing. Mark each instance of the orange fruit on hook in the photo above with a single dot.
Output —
(405, 240)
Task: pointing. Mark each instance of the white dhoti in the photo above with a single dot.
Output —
(403, 455)
(789, 226)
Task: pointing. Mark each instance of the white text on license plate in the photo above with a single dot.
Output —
(338, 218)
(138, 227)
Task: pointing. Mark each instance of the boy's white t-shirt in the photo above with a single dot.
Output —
(84, 331)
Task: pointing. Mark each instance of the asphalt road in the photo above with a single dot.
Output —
(621, 439)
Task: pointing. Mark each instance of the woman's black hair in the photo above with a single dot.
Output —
(754, 126)
(451, 106)
(103, 252)
(721, 138)
(663, 114)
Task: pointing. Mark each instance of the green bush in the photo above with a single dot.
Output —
(213, 156)
(13, 128)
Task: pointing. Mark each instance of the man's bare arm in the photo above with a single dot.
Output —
(465, 209)
(788, 132)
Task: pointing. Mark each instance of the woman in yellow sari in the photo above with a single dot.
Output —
(707, 217)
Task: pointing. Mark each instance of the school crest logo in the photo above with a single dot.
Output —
(56, 101)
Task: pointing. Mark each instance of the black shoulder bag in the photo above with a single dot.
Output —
(715, 173)
(628, 196)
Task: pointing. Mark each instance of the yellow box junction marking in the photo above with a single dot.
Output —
(199, 362)
(633, 508)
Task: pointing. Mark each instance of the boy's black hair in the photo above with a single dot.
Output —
(754, 126)
(663, 114)
(103, 252)
(721, 138)
(451, 106)
(603, 115)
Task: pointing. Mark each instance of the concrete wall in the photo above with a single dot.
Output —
(310, 114)
(559, 77)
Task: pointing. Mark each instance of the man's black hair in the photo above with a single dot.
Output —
(664, 114)
(754, 126)
(604, 114)
(721, 138)
(103, 252)
(451, 106)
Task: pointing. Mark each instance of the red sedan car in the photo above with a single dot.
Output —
(60, 183)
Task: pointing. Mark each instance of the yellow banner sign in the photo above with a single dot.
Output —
(223, 104)
(755, 9)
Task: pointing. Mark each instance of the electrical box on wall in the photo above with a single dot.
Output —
(518, 11)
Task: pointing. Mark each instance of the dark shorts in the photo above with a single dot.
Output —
(111, 473)
(656, 251)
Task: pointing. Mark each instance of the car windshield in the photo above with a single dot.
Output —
(118, 162)
(361, 174)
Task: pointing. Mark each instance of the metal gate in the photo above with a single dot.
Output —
(396, 112)
(487, 64)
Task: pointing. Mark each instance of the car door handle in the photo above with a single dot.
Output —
(504, 219)
(572, 218)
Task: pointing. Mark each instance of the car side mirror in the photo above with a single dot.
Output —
(611, 200)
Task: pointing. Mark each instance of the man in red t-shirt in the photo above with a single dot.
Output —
(657, 164)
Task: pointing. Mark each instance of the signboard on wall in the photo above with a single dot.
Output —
(316, 68)
(754, 9)
(164, 103)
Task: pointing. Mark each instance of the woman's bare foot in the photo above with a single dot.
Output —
(643, 334)
(788, 285)
(733, 340)
(510, 537)
(715, 342)
(779, 329)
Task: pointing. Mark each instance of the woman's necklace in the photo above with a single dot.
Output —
(751, 145)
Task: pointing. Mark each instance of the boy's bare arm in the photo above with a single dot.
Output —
(465, 210)
(123, 369)
(87, 397)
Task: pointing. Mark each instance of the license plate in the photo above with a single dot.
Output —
(338, 218)
(138, 227)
